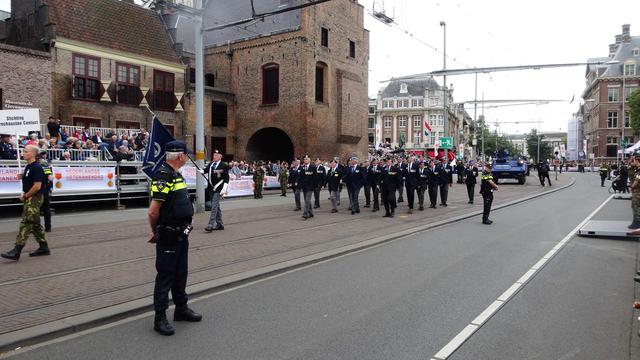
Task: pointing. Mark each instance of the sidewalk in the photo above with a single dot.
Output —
(103, 259)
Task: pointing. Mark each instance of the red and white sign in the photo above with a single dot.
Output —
(81, 179)
(9, 181)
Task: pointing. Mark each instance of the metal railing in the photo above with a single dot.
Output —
(71, 129)
(87, 155)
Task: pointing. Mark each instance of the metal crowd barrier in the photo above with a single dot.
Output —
(92, 130)
(130, 183)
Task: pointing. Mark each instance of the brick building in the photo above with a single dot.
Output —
(292, 84)
(608, 87)
(25, 79)
(109, 60)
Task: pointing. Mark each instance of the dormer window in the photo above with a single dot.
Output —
(630, 69)
(403, 89)
(636, 52)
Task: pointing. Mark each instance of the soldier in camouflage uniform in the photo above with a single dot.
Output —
(635, 195)
(258, 180)
(32, 188)
(283, 176)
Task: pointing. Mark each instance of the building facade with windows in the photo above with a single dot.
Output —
(605, 111)
(110, 61)
(404, 106)
(25, 79)
(291, 85)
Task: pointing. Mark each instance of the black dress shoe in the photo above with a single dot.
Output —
(208, 229)
(400, 200)
(421, 208)
(367, 206)
(219, 227)
(353, 212)
(334, 211)
(357, 211)
(297, 209)
(161, 325)
(186, 314)
(305, 217)
(487, 222)
(393, 214)
(375, 210)
(410, 211)
(387, 215)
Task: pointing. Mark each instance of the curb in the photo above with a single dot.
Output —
(29, 336)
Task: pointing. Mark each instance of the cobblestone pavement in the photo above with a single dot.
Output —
(100, 259)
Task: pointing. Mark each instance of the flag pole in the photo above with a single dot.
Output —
(190, 158)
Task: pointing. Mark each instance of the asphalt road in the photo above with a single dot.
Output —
(409, 298)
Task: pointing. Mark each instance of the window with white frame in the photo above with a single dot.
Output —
(630, 69)
(387, 104)
(433, 138)
(612, 140)
(628, 91)
(636, 52)
(612, 119)
(387, 120)
(440, 134)
(626, 119)
(402, 121)
(417, 121)
(403, 89)
(417, 102)
(613, 94)
(372, 123)
(416, 137)
(434, 101)
(403, 103)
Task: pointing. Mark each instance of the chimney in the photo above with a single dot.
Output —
(612, 50)
(618, 39)
(626, 33)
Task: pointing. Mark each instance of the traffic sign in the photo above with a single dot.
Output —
(446, 142)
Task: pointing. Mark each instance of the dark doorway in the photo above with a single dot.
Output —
(269, 144)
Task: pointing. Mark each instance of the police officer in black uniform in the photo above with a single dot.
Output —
(170, 216)
(45, 208)
(487, 187)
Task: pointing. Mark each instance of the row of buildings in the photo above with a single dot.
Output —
(600, 128)
(289, 84)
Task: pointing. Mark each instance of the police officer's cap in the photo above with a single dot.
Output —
(636, 153)
(177, 146)
(216, 151)
(354, 158)
(306, 157)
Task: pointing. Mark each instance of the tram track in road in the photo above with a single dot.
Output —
(148, 283)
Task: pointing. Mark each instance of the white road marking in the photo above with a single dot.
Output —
(495, 306)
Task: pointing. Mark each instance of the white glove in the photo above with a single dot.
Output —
(201, 171)
(224, 189)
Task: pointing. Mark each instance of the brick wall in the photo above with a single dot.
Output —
(25, 78)
(338, 126)
(108, 113)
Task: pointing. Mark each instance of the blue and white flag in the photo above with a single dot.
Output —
(154, 154)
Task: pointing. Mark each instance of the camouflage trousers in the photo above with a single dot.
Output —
(31, 221)
(259, 184)
(283, 186)
(635, 206)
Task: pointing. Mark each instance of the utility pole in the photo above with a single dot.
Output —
(475, 118)
(623, 141)
(483, 126)
(444, 88)
(199, 45)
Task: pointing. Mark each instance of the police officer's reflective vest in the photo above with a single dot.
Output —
(170, 187)
(485, 187)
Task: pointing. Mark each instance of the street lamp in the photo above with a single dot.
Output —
(444, 88)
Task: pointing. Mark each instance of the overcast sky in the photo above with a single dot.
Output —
(498, 33)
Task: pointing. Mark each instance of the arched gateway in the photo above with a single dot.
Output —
(269, 144)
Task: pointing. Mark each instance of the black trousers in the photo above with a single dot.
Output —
(411, 191)
(433, 194)
(471, 188)
(420, 193)
(487, 200)
(46, 210)
(389, 200)
(544, 176)
(316, 197)
(367, 195)
(376, 197)
(602, 179)
(172, 254)
(444, 193)
(400, 191)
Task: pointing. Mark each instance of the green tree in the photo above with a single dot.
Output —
(634, 111)
(546, 151)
